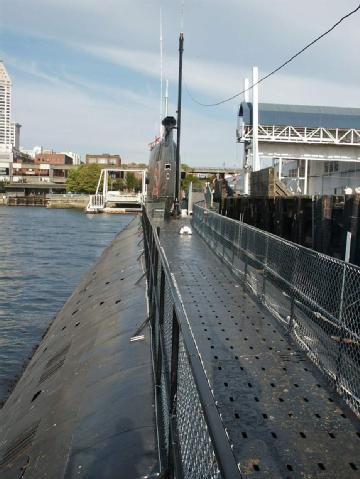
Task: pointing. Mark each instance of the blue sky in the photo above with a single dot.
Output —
(86, 73)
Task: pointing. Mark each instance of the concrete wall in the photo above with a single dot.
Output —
(67, 201)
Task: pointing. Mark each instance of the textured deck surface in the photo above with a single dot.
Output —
(283, 419)
(84, 406)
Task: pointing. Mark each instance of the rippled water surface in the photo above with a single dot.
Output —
(43, 255)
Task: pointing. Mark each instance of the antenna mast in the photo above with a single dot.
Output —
(167, 98)
(177, 184)
(161, 76)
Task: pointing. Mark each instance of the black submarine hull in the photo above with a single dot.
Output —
(84, 405)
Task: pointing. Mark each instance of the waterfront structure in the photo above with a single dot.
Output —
(111, 201)
(105, 159)
(314, 149)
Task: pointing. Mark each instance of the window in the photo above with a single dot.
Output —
(331, 166)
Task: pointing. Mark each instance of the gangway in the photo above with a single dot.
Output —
(109, 201)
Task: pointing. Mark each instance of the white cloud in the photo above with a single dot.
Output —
(68, 119)
(222, 41)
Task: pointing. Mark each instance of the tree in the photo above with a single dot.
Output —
(185, 167)
(133, 182)
(83, 179)
(130, 182)
(198, 184)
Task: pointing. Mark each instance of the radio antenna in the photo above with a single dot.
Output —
(161, 76)
(177, 184)
(166, 97)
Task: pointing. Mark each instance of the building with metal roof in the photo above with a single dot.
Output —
(314, 149)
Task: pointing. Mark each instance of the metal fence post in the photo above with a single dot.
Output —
(235, 230)
(223, 228)
(264, 269)
(342, 329)
(292, 293)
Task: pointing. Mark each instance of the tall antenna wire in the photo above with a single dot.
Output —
(182, 16)
(161, 75)
(166, 97)
(279, 67)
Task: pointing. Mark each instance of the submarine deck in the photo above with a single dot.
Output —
(84, 405)
(282, 416)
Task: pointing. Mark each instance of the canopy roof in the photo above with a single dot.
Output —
(302, 115)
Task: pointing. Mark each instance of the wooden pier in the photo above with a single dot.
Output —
(319, 222)
(31, 200)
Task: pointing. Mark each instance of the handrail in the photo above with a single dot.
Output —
(185, 371)
(314, 295)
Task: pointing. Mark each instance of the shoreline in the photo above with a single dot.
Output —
(49, 201)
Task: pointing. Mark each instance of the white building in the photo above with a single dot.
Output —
(315, 150)
(9, 132)
(5, 106)
(32, 152)
(75, 156)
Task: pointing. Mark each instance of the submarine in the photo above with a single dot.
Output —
(84, 406)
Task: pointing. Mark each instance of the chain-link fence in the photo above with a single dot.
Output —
(316, 297)
(192, 439)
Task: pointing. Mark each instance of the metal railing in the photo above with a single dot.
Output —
(96, 202)
(315, 296)
(192, 439)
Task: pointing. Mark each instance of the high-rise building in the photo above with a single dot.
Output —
(6, 128)
(15, 135)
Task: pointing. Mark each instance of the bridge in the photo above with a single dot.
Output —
(213, 170)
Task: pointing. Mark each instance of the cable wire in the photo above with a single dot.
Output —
(279, 67)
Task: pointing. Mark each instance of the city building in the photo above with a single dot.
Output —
(53, 158)
(5, 106)
(9, 131)
(31, 152)
(75, 157)
(105, 159)
(15, 135)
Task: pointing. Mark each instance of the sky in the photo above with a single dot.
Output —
(86, 73)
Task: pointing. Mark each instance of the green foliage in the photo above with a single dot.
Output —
(198, 184)
(133, 182)
(129, 182)
(83, 179)
(185, 167)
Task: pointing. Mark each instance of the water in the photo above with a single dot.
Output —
(43, 255)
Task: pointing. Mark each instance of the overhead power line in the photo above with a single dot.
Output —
(279, 67)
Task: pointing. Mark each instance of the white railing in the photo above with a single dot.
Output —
(291, 134)
(96, 203)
